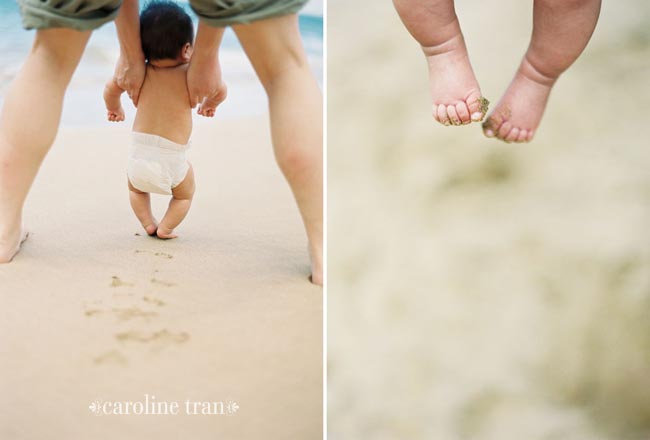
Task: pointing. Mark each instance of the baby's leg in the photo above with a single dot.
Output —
(454, 90)
(179, 205)
(141, 205)
(29, 122)
(561, 30)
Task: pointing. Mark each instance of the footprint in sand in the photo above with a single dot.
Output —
(123, 314)
(159, 339)
(157, 254)
(117, 282)
(162, 283)
(154, 301)
(110, 357)
(133, 312)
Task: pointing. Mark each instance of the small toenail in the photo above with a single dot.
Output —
(489, 133)
(477, 116)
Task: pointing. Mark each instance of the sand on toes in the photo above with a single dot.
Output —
(519, 112)
(462, 112)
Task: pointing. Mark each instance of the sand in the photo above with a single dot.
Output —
(479, 290)
(94, 310)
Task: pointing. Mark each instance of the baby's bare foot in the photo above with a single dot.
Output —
(151, 229)
(455, 92)
(165, 233)
(10, 246)
(520, 110)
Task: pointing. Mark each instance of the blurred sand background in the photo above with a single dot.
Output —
(93, 309)
(480, 290)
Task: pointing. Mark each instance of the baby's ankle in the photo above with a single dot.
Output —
(532, 72)
(451, 44)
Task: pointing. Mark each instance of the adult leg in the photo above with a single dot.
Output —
(561, 31)
(275, 49)
(455, 93)
(29, 123)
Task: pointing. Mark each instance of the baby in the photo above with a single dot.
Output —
(163, 122)
(561, 30)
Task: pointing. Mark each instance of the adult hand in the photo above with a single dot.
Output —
(129, 76)
(204, 79)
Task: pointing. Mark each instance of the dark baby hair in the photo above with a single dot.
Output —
(164, 29)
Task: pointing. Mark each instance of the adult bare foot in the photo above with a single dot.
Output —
(520, 110)
(455, 93)
(10, 245)
(316, 258)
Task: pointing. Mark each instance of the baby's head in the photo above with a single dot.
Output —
(166, 31)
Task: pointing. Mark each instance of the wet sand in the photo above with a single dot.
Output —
(481, 290)
(92, 309)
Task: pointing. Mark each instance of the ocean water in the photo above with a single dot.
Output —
(84, 104)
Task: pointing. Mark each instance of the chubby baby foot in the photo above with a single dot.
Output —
(10, 246)
(165, 233)
(455, 93)
(520, 110)
(151, 229)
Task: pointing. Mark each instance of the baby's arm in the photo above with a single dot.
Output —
(112, 94)
(210, 103)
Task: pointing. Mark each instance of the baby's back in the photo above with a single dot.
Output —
(164, 104)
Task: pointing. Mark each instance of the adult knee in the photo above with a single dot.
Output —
(62, 48)
(289, 63)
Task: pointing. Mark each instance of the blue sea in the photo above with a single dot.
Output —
(84, 104)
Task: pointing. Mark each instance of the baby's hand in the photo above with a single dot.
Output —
(116, 116)
(210, 103)
(206, 109)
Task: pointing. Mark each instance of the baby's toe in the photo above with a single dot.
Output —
(512, 136)
(442, 115)
(434, 112)
(491, 127)
(477, 106)
(529, 138)
(504, 130)
(463, 113)
(523, 136)
(453, 116)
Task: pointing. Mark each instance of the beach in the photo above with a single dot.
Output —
(95, 310)
(480, 290)
(99, 320)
